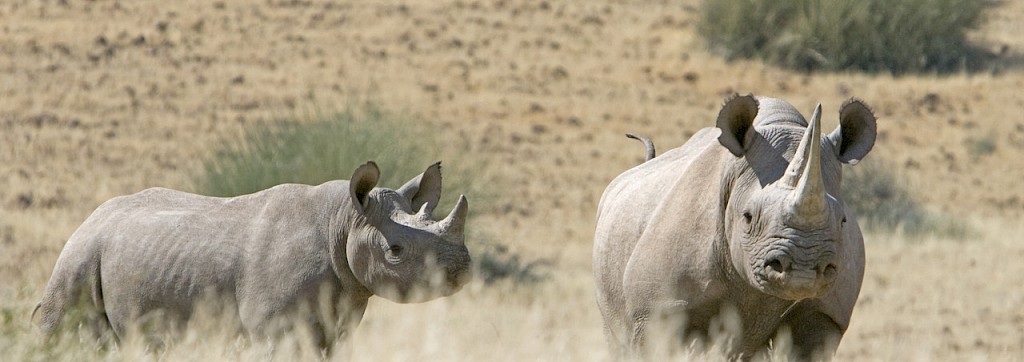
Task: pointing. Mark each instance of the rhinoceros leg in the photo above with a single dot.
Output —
(661, 326)
(332, 328)
(337, 340)
(74, 297)
(815, 335)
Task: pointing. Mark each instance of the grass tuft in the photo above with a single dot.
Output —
(981, 146)
(330, 147)
(906, 36)
(314, 151)
(494, 262)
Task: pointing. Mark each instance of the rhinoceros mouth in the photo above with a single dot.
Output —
(796, 285)
(456, 278)
(781, 276)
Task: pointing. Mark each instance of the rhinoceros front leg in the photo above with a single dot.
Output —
(343, 343)
(815, 336)
(337, 339)
(638, 331)
(658, 326)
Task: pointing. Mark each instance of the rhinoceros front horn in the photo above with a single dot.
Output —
(455, 222)
(804, 174)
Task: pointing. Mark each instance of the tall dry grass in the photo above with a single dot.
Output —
(932, 285)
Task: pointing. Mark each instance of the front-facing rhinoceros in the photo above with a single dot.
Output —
(289, 256)
(745, 217)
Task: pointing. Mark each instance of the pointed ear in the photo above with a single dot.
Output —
(424, 189)
(735, 120)
(855, 136)
(363, 181)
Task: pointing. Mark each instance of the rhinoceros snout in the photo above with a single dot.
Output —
(456, 269)
(794, 279)
(457, 278)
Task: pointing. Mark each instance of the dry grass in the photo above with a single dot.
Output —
(922, 300)
(99, 99)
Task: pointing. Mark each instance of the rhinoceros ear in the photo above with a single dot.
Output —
(735, 119)
(364, 179)
(855, 136)
(424, 189)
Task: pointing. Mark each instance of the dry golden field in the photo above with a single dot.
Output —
(103, 98)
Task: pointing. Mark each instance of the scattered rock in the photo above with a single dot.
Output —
(930, 102)
(24, 200)
(572, 121)
(559, 73)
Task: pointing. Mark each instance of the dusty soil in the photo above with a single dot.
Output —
(103, 98)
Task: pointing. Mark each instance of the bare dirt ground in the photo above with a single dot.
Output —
(103, 98)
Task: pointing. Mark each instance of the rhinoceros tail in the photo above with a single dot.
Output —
(647, 144)
(32, 317)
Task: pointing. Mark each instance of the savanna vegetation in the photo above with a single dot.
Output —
(914, 36)
(525, 103)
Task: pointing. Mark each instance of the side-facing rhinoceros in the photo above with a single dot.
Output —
(289, 256)
(745, 217)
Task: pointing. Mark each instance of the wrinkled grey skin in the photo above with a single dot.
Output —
(727, 222)
(289, 256)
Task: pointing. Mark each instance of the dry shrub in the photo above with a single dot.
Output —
(906, 36)
(881, 200)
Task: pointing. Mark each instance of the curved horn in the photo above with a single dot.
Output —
(804, 173)
(455, 222)
(424, 212)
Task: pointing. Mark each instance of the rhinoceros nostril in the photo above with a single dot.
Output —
(778, 264)
(827, 270)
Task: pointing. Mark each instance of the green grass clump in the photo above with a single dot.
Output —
(315, 151)
(981, 146)
(881, 201)
(837, 35)
(330, 147)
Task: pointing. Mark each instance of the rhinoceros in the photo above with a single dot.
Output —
(745, 219)
(286, 257)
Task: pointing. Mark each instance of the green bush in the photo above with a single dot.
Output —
(330, 147)
(870, 35)
(880, 199)
(312, 152)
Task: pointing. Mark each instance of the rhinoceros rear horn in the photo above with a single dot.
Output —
(455, 222)
(424, 190)
(364, 179)
(804, 172)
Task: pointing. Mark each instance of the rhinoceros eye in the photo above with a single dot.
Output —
(395, 249)
(747, 216)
